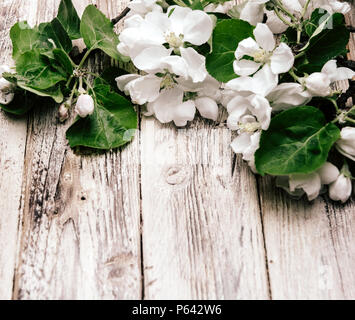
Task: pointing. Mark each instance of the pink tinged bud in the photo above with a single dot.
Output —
(63, 112)
(340, 189)
(85, 105)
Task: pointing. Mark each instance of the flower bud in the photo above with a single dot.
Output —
(346, 144)
(6, 91)
(63, 112)
(84, 105)
(318, 84)
(340, 189)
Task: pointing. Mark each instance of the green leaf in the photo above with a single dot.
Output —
(225, 40)
(97, 32)
(55, 31)
(54, 92)
(112, 124)
(62, 61)
(329, 43)
(297, 141)
(318, 17)
(69, 19)
(25, 39)
(36, 71)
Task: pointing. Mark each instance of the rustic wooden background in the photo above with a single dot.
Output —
(173, 215)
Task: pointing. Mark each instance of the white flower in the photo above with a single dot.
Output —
(142, 7)
(311, 184)
(263, 50)
(220, 7)
(63, 112)
(247, 144)
(251, 11)
(318, 83)
(274, 23)
(296, 8)
(340, 189)
(248, 115)
(178, 26)
(169, 106)
(6, 88)
(85, 105)
(346, 144)
(288, 95)
(261, 83)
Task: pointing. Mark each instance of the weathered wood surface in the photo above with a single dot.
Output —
(173, 215)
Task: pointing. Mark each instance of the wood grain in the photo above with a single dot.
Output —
(12, 146)
(80, 219)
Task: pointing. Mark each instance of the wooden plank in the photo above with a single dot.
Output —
(310, 246)
(81, 212)
(202, 234)
(12, 149)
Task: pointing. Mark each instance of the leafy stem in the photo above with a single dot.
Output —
(85, 57)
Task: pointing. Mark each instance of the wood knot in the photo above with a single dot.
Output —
(176, 175)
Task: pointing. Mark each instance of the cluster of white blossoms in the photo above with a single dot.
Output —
(253, 11)
(252, 97)
(173, 81)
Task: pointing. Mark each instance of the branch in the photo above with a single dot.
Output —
(120, 16)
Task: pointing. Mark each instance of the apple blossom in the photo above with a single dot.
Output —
(340, 189)
(6, 88)
(85, 105)
(179, 25)
(263, 50)
(288, 95)
(318, 83)
(251, 11)
(346, 144)
(219, 7)
(142, 7)
(311, 184)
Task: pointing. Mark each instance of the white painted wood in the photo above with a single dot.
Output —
(12, 149)
(81, 212)
(202, 236)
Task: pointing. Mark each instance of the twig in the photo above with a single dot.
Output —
(120, 16)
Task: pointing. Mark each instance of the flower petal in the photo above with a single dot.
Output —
(150, 59)
(245, 67)
(288, 95)
(246, 47)
(337, 74)
(144, 89)
(264, 37)
(177, 16)
(197, 27)
(260, 107)
(176, 65)
(310, 183)
(274, 23)
(328, 173)
(264, 81)
(282, 59)
(183, 113)
(122, 81)
(207, 107)
(195, 64)
(164, 106)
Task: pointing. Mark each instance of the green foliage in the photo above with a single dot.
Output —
(297, 141)
(112, 124)
(225, 40)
